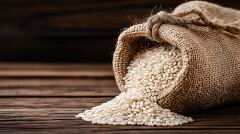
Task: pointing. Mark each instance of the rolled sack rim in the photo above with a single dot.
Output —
(175, 39)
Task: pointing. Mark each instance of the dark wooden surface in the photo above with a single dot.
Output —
(37, 98)
(72, 30)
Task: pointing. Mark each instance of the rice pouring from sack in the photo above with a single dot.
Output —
(150, 72)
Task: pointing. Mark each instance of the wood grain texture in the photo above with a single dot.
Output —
(58, 87)
(14, 70)
(57, 80)
(57, 114)
(72, 30)
(36, 102)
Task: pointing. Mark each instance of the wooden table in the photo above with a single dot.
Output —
(38, 98)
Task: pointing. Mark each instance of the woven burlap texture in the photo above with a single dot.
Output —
(210, 49)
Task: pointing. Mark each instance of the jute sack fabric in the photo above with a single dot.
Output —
(208, 37)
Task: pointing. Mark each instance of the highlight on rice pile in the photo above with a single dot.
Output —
(150, 72)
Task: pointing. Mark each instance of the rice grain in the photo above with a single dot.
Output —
(149, 73)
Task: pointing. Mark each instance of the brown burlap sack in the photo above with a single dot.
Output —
(208, 37)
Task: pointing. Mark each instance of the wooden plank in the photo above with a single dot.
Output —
(28, 70)
(59, 31)
(62, 31)
(54, 66)
(57, 80)
(44, 103)
(58, 49)
(47, 109)
(87, 131)
(46, 18)
(56, 114)
(72, 13)
(65, 8)
(58, 87)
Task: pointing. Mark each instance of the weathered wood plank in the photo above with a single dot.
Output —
(73, 14)
(11, 70)
(54, 66)
(47, 102)
(26, 106)
(12, 83)
(58, 87)
(57, 80)
(87, 131)
(57, 114)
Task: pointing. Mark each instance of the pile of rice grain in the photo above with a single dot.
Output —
(150, 72)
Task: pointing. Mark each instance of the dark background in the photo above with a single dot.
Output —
(71, 30)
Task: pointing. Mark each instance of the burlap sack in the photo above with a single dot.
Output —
(208, 37)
